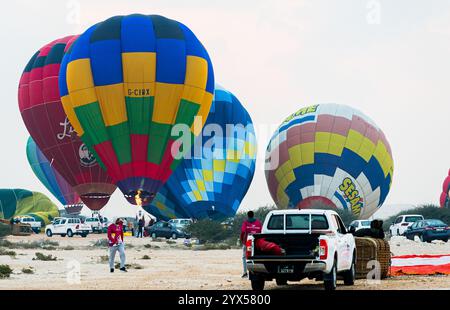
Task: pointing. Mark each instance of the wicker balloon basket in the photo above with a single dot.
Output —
(369, 251)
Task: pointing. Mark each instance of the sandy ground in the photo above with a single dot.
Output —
(172, 266)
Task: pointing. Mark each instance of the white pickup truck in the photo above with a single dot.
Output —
(67, 227)
(315, 245)
(35, 225)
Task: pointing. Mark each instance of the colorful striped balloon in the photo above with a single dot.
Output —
(214, 179)
(44, 117)
(329, 155)
(125, 84)
(49, 177)
(444, 198)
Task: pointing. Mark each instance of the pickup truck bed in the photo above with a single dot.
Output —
(297, 246)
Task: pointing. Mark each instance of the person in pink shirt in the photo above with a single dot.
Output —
(115, 242)
(249, 227)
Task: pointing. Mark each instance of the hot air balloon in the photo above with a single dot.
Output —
(125, 84)
(444, 199)
(165, 206)
(20, 202)
(329, 155)
(212, 181)
(44, 117)
(50, 178)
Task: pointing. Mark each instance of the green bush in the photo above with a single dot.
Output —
(43, 257)
(6, 252)
(428, 211)
(5, 271)
(209, 231)
(28, 270)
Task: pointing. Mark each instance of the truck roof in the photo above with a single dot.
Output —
(303, 211)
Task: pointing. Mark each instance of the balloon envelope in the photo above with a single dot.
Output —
(330, 155)
(18, 202)
(125, 84)
(49, 177)
(215, 175)
(46, 121)
(444, 198)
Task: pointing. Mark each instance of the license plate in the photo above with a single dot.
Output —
(439, 229)
(285, 269)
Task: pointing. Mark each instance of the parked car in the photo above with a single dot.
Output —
(94, 223)
(35, 225)
(359, 224)
(181, 223)
(402, 223)
(315, 245)
(428, 230)
(67, 227)
(166, 230)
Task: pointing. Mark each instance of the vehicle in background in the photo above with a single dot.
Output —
(298, 244)
(94, 223)
(402, 223)
(35, 225)
(428, 230)
(67, 227)
(166, 230)
(180, 223)
(359, 224)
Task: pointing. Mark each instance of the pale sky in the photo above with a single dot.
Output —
(388, 58)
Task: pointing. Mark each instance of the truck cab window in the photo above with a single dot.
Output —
(276, 222)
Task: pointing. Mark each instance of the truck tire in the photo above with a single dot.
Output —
(174, 236)
(153, 236)
(83, 235)
(281, 282)
(63, 235)
(49, 233)
(257, 283)
(350, 275)
(69, 233)
(329, 280)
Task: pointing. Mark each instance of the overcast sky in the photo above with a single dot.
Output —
(390, 59)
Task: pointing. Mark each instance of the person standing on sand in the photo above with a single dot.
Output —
(249, 227)
(115, 242)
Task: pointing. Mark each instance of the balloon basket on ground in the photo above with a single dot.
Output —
(372, 255)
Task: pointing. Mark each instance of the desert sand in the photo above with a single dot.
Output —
(172, 266)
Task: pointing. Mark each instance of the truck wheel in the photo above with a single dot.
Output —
(281, 282)
(63, 235)
(350, 275)
(49, 233)
(257, 283)
(69, 233)
(84, 235)
(174, 236)
(329, 280)
(153, 235)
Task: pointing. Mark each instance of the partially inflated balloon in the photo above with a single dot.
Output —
(20, 202)
(125, 84)
(330, 155)
(212, 181)
(445, 195)
(49, 177)
(44, 117)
